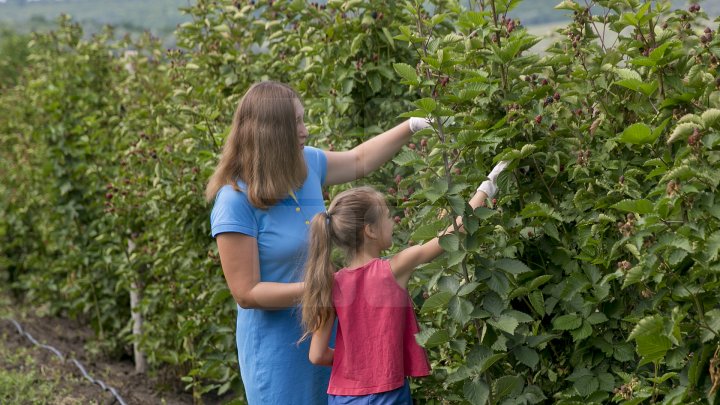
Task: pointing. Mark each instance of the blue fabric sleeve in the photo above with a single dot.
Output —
(317, 161)
(232, 212)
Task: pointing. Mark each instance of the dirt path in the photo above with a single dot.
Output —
(27, 370)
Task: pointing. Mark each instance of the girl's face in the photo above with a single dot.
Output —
(302, 132)
(385, 229)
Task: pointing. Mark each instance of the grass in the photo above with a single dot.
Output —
(24, 381)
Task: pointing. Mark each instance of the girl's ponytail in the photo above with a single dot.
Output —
(342, 226)
(316, 301)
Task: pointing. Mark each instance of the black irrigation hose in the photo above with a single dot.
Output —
(77, 363)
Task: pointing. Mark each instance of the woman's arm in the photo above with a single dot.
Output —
(346, 166)
(241, 266)
(320, 352)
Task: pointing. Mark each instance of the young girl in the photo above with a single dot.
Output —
(375, 347)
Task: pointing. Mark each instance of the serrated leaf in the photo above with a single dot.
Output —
(467, 288)
(512, 266)
(712, 245)
(537, 302)
(426, 104)
(682, 131)
(527, 356)
(476, 391)
(637, 134)
(628, 74)
(567, 322)
(505, 323)
(596, 318)
(460, 309)
(652, 348)
(581, 333)
(431, 337)
(538, 281)
(450, 242)
(506, 386)
(436, 301)
(641, 206)
(649, 325)
(407, 72)
(487, 362)
(711, 117)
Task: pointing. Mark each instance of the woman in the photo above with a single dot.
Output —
(267, 187)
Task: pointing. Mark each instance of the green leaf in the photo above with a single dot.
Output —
(537, 302)
(567, 322)
(389, 37)
(596, 318)
(582, 332)
(450, 242)
(712, 245)
(711, 117)
(428, 231)
(506, 386)
(682, 131)
(426, 104)
(641, 206)
(652, 348)
(483, 212)
(637, 134)
(407, 72)
(512, 266)
(357, 43)
(431, 337)
(650, 325)
(467, 288)
(487, 362)
(476, 391)
(436, 301)
(460, 310)
(527, 356)
(505, 323)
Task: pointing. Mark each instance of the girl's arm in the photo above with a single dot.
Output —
(346, 166)
(241, 266)
(320, 352)
(404, 263)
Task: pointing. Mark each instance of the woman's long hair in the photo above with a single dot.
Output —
(262, 148)
(343, 227)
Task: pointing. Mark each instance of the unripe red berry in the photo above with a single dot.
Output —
(494, 201)
(398, 179)
(391, 191)
(109, 196)
(538, 119)
(397, 219)
(556, 96)
(423, 142)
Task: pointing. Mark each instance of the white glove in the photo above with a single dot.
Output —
(417, 123)
(488, 186)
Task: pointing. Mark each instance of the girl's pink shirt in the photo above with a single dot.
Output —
(375, 347)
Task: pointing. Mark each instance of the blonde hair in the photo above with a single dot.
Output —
(262, 148)
(342, 226)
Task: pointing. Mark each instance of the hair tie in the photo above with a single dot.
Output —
(328, 217)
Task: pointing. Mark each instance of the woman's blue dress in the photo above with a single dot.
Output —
(273, 367)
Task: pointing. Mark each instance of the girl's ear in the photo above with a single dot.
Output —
(370, 231)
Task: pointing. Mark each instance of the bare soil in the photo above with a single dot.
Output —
(70, 338)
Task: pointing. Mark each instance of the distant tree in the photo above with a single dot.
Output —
(13, 56)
